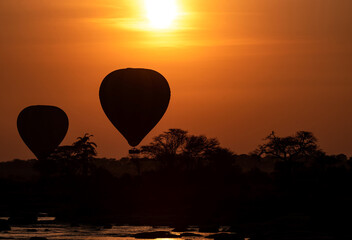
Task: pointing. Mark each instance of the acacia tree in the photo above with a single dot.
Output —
(199, 146)
(189, 150)
(306, 144)
(302, 144)
(200, 150)
(167, 144)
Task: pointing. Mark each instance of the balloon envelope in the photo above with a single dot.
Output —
(42, 128)
(134, 100)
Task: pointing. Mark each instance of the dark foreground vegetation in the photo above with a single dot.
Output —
(287, 185)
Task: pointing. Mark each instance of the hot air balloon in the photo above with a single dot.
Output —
(134, 100)
(42, 128)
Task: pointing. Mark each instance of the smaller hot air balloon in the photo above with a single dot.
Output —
(134, 100)
(42, 128)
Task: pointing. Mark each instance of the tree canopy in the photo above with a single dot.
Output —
(302, 144)
(177, 144)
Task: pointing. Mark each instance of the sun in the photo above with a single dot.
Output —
(161, 13)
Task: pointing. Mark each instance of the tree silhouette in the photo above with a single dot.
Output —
(302, 144)
(188, 150)
(63, 156)
(200, 151)
(306, 144)
(84, 148)
(76, 158)
(200, 146)
(167, 144)
(84, 151)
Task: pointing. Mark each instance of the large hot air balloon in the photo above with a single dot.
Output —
(134, 100)
(42, 128)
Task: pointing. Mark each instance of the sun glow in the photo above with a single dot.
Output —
(161, 13)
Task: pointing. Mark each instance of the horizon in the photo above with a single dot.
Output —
(237, 70)
(252, 153)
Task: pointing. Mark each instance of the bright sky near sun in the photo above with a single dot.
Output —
(237, 69)
(161, 13)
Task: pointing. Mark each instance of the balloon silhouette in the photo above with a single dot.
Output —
(134, 100)
(42, 128)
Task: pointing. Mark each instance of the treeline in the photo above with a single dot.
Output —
(179, 178)
(174, 149)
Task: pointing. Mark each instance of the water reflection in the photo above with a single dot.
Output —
(65, 232)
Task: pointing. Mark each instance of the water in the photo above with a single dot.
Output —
(66, 232)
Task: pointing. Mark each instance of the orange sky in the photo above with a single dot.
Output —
(237, 69)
